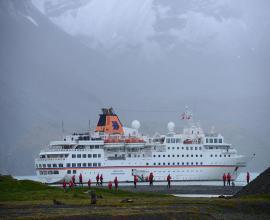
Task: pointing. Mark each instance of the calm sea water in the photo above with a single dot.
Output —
(240, 181)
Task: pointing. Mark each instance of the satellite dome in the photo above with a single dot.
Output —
(136, 124)
(171, 126)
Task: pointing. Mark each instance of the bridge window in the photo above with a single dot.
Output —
(49, 165)
(211, 140)
(84, 164)
(74, 171)
(191, 148)
(60, 165)
(89, 164)
(196, 148)
(73, 155)
(99, 155)
(177, 140)
(99, 164)
(68, 164)
(172, 140)
(220, 140)
(206, 140)
(84, 155)
(79, 164)
(79, 155)
(168, 140)
(54, 165)
(215, 140)
(94, 155)
(94, 164)
(68, 171)
(44, 165)
(89, 155)
(73, 164)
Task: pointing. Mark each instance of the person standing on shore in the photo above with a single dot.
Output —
(97, 179)
(89, 183)
(248, 177)
(64, 185)
(224, 179)
(228, 179)
(71, 184)
(116, 183)
(110, 185)
(80, 179)
(101, 179)
(135, 181)
(151, 179)
(169, 181)
(73, 179)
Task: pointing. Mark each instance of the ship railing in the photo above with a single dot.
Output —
(46, 159)
(116, 158)
(65, 150)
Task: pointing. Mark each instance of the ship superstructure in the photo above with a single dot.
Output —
(113, 150)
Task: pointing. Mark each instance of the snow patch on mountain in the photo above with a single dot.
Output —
(32, 20)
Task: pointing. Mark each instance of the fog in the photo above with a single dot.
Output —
(148, 59)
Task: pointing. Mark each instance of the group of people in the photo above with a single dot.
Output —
(228, 179)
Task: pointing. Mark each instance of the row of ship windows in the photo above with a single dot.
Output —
(214, 140)
(173, 140)
(49, 165)
(84, 165)
(220, 155)
(178, 155)
(49, 172)
(86, 155)
(178, 163)
(187, 148)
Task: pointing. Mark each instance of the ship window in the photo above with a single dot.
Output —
(169, 155)
(49, 165)
(201, 155)
(229, 155)
(89, 164)
(172, 140)
(220, 155)
(54, 165)
(44, 165)
(201, 163)
(164, 164)
(73, 155)
(39, 165)
(79, 155)
(215, 155)
(84, 155)
(182, 148)
(42, 156)
(225, 155)
(196, 148)
(173, 155)
(94, 155)
(168, 163)
(60, 165)
(99, 164)
(84, 164)
(89, 155)
(187, 163)
(177, 140)
(147, 164)
(200, 148)
(92, 146)
(178, 163)
(129, 155)
(220, 140)
(211, 155)
(50, 172)
(177, 148)
(169, 148)
(191, 155)
(211, 140)
(73, 164)
(68, 164)
(173, 163)
(96, 146)
(55, 172)
(191, 163)
(196, 155)
(215, 140)
(158, 163)
(94, 164)
(211, 148)
(196, 163)
(191, 148)
(74, 171)
(173, 148)
(154, 164)
(158, 155)
(68, 171)
(186, 148)
(206, 140)
(177, 155)
(79, 164)
(187, 155)
(183, 163)
(168, 140)
(154, 155)
(163, 155)
(99, 155)
(183, 155)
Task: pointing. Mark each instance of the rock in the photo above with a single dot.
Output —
(126, 201)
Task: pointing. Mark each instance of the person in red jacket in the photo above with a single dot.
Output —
(101, 179)
(228, 179)
(169, 181)
(97, 179)
(81, 180)
(110, 185)
(151, 179)
(64, 185)
(73, 180)
(71, 184)
(89, 183)
(248, 177)
(224, 179)
(135, 181)
(116, 183)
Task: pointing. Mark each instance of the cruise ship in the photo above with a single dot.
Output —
(116, 151)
